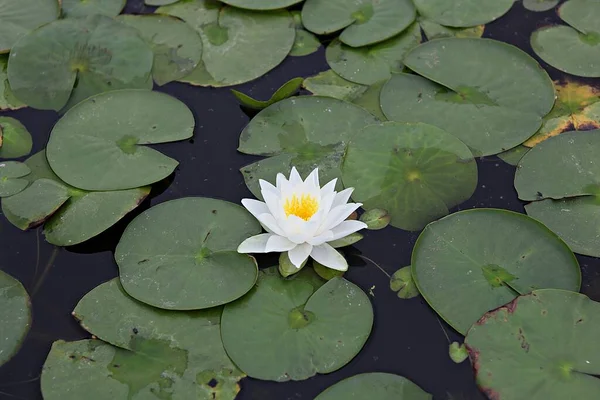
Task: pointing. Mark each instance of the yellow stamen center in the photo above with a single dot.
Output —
(304, 206)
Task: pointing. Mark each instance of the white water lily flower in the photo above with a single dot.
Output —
(301, 218)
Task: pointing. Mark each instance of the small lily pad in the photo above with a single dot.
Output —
(182, 254)
(374, 386)
(261, 4)
(305, 43)
(159, 2)
(286, 90)
(416, 172)
(540, 5)
(514, 155)
(402, 282)
(434, 30)
(462, 14)
(15, 316)
(477, 260)
(8, 101)
(376, 219)
(84, 8)
(541, 345)
(99, 144)
(18, 18)
(326, 273)
(15, 139)
(458, 352)
(292, 329)
(11, 177)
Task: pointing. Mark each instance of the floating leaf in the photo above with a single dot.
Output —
(416, 172)
(403, 283)
(159, 2)
(541, 345)
(514, 155)
(176, 45)
(346, 241)
(8, 101)
(540, 5)
(453, 258)
(458, 352)
(489, 94)
(18, 18)
(84, 8)
(435, 31)
(374, 386)
(286, 90)
(286, 268)
(15, 316)
(293, 329)
(98, 144)
(305, 43)
(67, 61)
(462, 14)
(305, 132)
(182, 254)
(15, 139)
(376, 219)
(365, 22)
(11, 177)
(261, 4)
(326, 273)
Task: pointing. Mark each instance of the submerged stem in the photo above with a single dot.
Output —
(375, 264)
(40, 281)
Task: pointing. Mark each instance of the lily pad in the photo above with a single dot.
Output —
(374, 386)
(11, 177)
(434, 30)
(402, 282)
(292, 329)
(477, 260)
(15, 139)
(305, 132)
(540, 346)
(238, 45)
(182, 254)
(194, 338)
(464, 13)
(18, 18)
(84, 8)
(489, 94)
(15, 316)
(305, 43)
(286, 90)
(159, 2)
(540, 5)
(368, 65)
(364, 22)
(514, 155)
(8, 101)
(98, 144)
(176, 45)
(67, 61)
(416, 172)
(261, 4)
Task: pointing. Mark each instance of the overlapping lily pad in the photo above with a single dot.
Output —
(98, 144)
(416, 172)
(402, 282)
(305, 43)
(489, 94)
(159, 2)
(261, 4)
(12, 177)
(15, 139)
(374, 386)
(8, 101)
(15, 316)
(84, 8)
(542, 345)
(182, 254)
(67, 61)
(462, 14)
(286, 90)
(574, 49)
(474, 261)
(434, 30)
(540, 5)
(292, 329)
(514, 155)
(18, 18)
(305, 132)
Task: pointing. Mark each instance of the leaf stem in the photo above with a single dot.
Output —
(42, 278)
(375, 264)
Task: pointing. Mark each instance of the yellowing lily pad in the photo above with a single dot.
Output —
(12, 179)
(463, 13)
(18, 18)
(15, 139)
(15, 316)
(374, 386)
(83, 8)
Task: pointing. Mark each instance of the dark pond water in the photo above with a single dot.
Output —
(408, 339)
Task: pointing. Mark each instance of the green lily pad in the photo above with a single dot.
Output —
(305, 132)
(18, 18)
(463, 14)
(562, 166)
(368, 65)
(159, 2)
(177, 46)
(540, 5)
(434, 30)
(458, 352)
(84, 8)
(182, 254)
(194, 335)
(15, 316)
(540, 346)
(292, 329)
(514, 155)
(8, 101)
(286, 90)
(98, 144)
(15, 139)
(305, 43)
(416, 172)
(489, 94)
(402, 282)
(238, 45)
(573, 49)
(477, 260)
(261, 4)
(11, 177)
(363, 22)
(374, 386)
(67, 61)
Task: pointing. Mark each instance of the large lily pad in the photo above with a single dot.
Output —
(12, 177)
(364, 22)
(83, 8)
(574, 49)
(292, 329)
(305, 132)
(416, 172)
(463, 13)
(374, 386)
(8, 101)
(98, 144)
(15, 316)
(368, 65)
(18, 18)
(193, 337)
(540, 346)
(489, 94)
(177, 46)
(182, 254)
(67, 61)
(261, 4)
(477, 260)
(238, 45)
(15, 139)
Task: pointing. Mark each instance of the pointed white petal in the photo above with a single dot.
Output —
(255, 207)
(337, 215)
(267, 187)
(274, 205)
(278, 244)
(299, 254)
(313, 178)
(270, 224)
(255, 244)
(342, 197)
(329, 257)
(329, 188)
(326, 236)
(345, 228)
(295, 178)
(280, 180)
(296, 229)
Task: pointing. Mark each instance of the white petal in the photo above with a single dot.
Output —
(280, 180)
(278, 244)
(326, 236)
(255, 244)
(345, 228)
(342, 197)
(337, 215)
(274, 205)
(267, 187)
(299, 254)
(270, 224)
(329, 257)
(329, 188)
(255, 207)
(296, 229)
(295, 178)
(313, 178)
